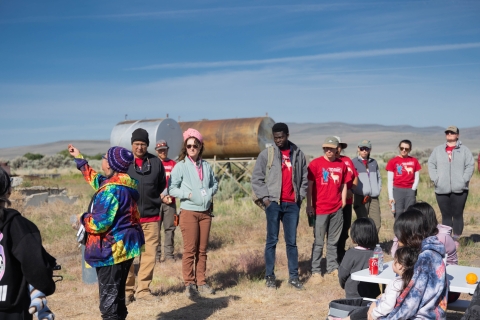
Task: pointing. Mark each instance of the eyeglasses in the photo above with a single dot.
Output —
(450, 132)
(194, 146)
(404, 149)
(364, 149)
(104, 157)
(141, 145)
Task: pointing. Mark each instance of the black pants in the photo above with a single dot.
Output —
(451, 206)
(17, 313)
(111, 286)
(347, 222)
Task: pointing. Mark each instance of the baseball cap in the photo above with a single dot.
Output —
(340, 143)
(330, 142)
(161, 144)
(365, 143)
(452, 128)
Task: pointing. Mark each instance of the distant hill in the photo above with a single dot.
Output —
(90, 147)
(308, 136)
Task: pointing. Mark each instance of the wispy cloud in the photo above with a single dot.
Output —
(166, 14)
(317, 57)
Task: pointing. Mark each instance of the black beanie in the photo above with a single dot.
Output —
(140, 135)
(279, 127)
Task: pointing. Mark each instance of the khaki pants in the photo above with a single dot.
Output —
(147, 262)
(195, 227)
(371, 209)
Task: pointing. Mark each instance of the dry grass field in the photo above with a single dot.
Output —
(235, 263)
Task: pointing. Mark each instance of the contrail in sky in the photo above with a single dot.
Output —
(317, 57)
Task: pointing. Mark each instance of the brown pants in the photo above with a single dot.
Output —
(147, 262)
(195, 227)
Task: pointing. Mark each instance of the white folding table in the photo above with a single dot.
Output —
(455, 274)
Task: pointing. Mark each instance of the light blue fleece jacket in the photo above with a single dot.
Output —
(184, 180)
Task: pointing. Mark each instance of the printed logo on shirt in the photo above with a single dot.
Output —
(331, 173)
(408, 166)
(3, 293)
(286, 162)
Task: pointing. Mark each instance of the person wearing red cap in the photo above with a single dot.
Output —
(168, 207)
(193, 183)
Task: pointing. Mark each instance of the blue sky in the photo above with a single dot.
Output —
(71, 70)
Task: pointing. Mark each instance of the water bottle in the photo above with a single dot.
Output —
(393, 208)
(378, 253)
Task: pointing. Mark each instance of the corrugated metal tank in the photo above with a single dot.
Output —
(166, 129)
(233, 138)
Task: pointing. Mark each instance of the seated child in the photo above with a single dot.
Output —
(403, 264)
(364, 234)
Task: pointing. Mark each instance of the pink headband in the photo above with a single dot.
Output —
(192, 133)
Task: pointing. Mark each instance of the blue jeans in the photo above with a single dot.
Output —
(288, 213)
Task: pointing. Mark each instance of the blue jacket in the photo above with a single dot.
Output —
(184, 180)
(426, 295)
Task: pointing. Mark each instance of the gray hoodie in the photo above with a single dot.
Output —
(272, 188)
(451, 176)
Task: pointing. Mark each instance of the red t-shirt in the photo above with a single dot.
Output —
(403, 171)
(328, 178)
(139, 163)
(449, 152)
(168, 165)
(288, 194)
(351, 172)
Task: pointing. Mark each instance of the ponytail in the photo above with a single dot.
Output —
(406, 257)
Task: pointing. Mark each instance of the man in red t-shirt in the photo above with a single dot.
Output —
(326, 196)
(282, 190)
(168, 207)
(347, 210)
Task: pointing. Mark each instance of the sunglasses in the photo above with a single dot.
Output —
(104, 157)
(364, 149)
(194, 146)
(450, 132)
(404, 149)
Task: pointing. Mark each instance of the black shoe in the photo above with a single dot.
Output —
(294, 282)
(270, 282)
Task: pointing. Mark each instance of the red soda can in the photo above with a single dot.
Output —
(373, 266)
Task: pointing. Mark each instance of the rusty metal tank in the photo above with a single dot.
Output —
(167, 129)
(233, 138)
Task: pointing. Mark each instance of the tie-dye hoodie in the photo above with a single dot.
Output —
(426, 295)
(112, 224)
